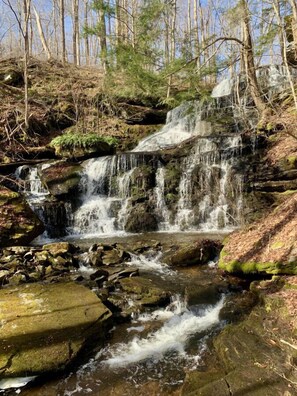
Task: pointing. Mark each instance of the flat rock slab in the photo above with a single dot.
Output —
(43, 327)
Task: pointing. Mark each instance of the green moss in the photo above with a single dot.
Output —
(78, 140)
(253, 267)
(277, 245)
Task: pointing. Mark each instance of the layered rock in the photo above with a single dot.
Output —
(18, 223)
(61, 178)
(45, 326)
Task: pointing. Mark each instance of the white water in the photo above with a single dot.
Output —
(173, 336)
(161, 206)
(105, 183)
(18, 382)
(208, 197)
(181, 124)
(213, 187)
(150, 263)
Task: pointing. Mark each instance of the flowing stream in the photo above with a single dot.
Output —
(155, 349)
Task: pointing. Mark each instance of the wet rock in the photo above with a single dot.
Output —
(123, 273)
(95, 259)
(17, 278)
(249, 357)
(66, 317)
(144, 292)
(99, 275)
(18, 223)
(61, 178)
(59, 248)
(194, 254)
(141, 219)
(3, 277)
(111, 257)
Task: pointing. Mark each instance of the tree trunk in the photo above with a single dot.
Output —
(27, 7)
(102, 35)
(75, 32)
(62, 27)
(294, 24)
(41, 34)
(249, 61)
(87, 44)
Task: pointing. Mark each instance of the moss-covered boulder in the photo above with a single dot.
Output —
(45, 326)
(268, 246)
(61, 177)
(18, 223)
(82, 146)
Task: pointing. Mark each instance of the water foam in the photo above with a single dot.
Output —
(171, 337)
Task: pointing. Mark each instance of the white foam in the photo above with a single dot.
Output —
(9, 383)
(171, 337)
(153, 263)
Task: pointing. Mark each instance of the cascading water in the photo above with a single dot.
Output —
(214, 189)
(105, 189)
(207, 194)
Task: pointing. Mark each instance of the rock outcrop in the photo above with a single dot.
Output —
(18, 223)
(45, 326)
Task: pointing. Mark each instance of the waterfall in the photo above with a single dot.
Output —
(208, 191)
(161, 206)
(55, 214)
(105, 190)
(180, 126)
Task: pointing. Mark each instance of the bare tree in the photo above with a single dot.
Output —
(41, 34)
(62, 27)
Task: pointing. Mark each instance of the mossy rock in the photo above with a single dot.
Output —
(61, 178)
(253, 267)
(144, 291)
(288, 163)
(141, 219)
(18, 223)
(45, 326)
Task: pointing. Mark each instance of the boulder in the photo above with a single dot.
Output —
(18, 223)
(45, 326)
(59, 248)
(80, 153)
(269, 246)
(195, 254)
(61, 177)
(11, 77)
(141, 219)
(144, 291)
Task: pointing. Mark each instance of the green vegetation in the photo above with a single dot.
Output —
(77, 140)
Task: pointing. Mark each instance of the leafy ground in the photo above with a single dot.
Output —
(65, 98)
